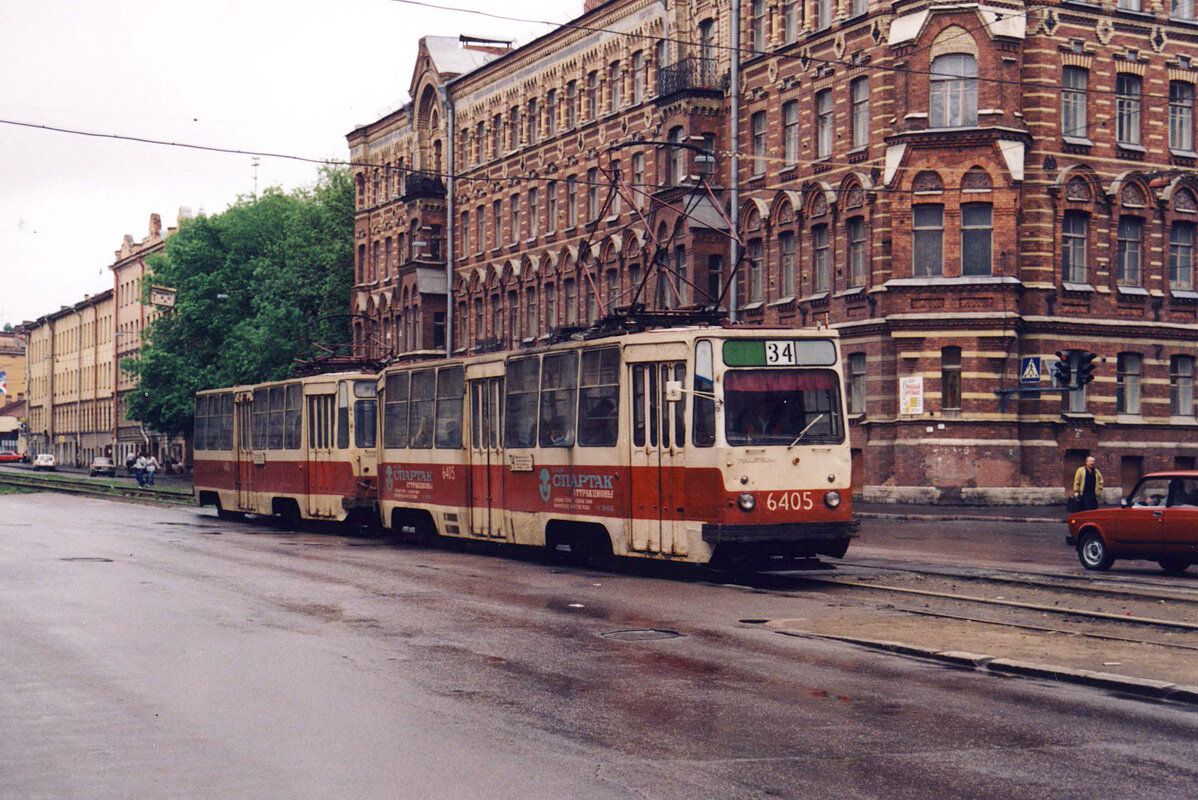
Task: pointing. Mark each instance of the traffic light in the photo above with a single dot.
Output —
(1085, 367)
(1062, 371)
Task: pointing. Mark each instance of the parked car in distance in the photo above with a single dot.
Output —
(44, 461)
(1157, 521)
(102, 465)
(9, 456)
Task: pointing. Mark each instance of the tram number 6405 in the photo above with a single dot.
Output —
(790, 501)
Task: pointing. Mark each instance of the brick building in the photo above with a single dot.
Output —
(76, 401)
(961, 190)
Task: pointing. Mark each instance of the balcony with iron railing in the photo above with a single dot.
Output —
(691, 75)
(423, 184)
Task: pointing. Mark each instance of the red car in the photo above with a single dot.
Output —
(9, 456)
(1158, 522)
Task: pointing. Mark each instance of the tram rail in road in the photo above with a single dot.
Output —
(90, 487)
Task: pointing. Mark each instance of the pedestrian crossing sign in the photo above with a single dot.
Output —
(1030, 371)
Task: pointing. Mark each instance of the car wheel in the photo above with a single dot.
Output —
(1174, 565)
(1093, 552)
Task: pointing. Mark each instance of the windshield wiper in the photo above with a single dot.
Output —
(803, 432)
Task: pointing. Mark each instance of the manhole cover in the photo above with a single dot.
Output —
(641, 635)
(89, 559)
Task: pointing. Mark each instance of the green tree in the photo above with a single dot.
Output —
(254, 286)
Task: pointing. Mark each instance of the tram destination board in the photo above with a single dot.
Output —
(779, 353)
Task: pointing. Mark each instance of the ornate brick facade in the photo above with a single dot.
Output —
(955, 188)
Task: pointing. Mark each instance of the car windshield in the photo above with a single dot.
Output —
(782, 407)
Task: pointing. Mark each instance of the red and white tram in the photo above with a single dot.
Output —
(300, 449)
(686, 444)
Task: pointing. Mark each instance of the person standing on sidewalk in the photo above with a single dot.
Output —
(139, 469)
(151, 468)
(1087, 485)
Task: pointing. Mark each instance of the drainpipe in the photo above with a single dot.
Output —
(734, 143)
(451, 221)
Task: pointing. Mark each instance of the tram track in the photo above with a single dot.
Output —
(92, 488)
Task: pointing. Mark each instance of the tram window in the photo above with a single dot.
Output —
(663, 407)
(599, 398)
(678, 409)
(292, 417)
(365, 417)
(420, 410)
(275, 440)
(450, 388)
(261, 412)
(782, 406)
(703, 424)
(395, 411)
(478, 413)
(654, 397)
(638, 405)
(559, 393)
(342, 415)
(199, 431)
(226, 422)
(520, 405)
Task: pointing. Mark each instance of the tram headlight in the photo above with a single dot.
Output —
(832, 499)
(746, 501)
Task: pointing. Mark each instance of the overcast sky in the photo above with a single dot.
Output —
(289, 76)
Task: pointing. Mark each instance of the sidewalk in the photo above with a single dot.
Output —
(922, 511)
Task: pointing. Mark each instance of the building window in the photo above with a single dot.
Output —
(954, 91)
(496, 136)
(592, 194)
(571, 104)
(759, 143)
(638, 179)
(950, 379)
(855, 228)
(1182, 9)
(1127, 383)
(513, 124)
(856, 388)
(823, 14)
(790, 20)
(479, 221)
(550, 307)
(676, 158)
(638, 77)
(859, 95)
(1181, 115)
(1073, 246)
(592, 96)
(530, 312)
(1181, 386)
(976, 228)
(790, 132)
(859, 7)
(551, 206)
(534, 127)
(1130, 237)
(570, 301)
(515, 207)
(1181, 256)
(1073, 102)
(613, 85)
(928, 249)
(822, 251)
(571, 201)
(758, 22)
(707, 44)
(786, 255)
(551, 113)
(497, 222)
(750, 289)
(1127, 109)
(1129, 5)
(823, 124)
(534, 217)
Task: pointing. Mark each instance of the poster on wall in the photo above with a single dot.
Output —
(911, 395)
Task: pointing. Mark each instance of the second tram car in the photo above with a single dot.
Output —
(684, 444)
(300, 449)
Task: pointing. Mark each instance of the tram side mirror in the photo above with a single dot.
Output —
(673, 391)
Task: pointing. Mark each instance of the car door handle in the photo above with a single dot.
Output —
(1157, 513)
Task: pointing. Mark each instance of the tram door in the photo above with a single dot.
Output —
(486, 458)
(657, 459)
(243, 451)
(321, 437)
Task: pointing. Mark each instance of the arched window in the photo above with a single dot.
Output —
(954, 91)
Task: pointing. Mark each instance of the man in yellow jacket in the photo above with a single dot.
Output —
(1087, 485)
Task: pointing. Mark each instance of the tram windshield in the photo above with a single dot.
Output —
(782, 407)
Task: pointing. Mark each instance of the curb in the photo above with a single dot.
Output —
(1142, 687)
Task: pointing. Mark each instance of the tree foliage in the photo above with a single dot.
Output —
(255, 285)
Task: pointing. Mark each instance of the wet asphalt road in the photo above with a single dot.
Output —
(162, 653)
